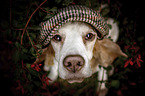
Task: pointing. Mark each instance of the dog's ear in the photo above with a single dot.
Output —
(109, 51)
(47, 56)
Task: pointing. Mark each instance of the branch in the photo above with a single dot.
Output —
(29, 38)
(30, 19)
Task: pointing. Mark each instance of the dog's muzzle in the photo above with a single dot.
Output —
(74, 63)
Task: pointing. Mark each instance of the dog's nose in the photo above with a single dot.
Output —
(74, 63)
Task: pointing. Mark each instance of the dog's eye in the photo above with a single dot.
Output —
(89, 36)
(57, 38)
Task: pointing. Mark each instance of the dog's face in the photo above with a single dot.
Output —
(75, 52)
(73, 46)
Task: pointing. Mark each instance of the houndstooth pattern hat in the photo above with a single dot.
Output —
(71, 13)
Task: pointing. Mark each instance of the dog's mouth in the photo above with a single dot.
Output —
(75, 80)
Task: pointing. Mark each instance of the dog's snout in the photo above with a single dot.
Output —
(74, 63)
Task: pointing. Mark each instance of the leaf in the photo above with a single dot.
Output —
(17, 44)
(131, 63)
(33, 35)
(16, 56)
(37, 83)
(35, 55)
(29, 76)
(54, 9)
(66, 2)
(57, 1)
(107, 85)
(128, 62)
(138, 63)
(109, 68)
(38, 46)
(105, 11)
(110, 26)
(40, 51)
(34, 27)
(115, 84)
(32, 50)
(24, 50)
(100, 66)
(33, 72)
(28, 65)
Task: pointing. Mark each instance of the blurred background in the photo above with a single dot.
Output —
(19, 78)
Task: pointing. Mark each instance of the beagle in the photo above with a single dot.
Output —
(75, 53)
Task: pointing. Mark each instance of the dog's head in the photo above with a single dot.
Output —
(76, 51)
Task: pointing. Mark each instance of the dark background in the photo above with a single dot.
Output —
(131, 10)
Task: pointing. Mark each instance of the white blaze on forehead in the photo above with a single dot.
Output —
(73, 44)
(74, 34)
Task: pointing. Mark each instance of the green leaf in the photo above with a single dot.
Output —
(35, 55)
(38, 46)
(57, 1)
(40, 52)
(66, 2)
(107, 85)
(33, 35)
(29, 76)
(110, 26)
(17, 44)
(105, 11)
(32, 50)
(16, 56)
(33, 72)
(54, 9)
(24, 50)
(28, 65)
(37, 83)
(109, 68)
(115, 84)
(34, 27)
(100, 66)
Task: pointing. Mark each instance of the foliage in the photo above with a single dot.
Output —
(21, 30)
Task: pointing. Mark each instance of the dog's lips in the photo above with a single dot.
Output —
(75, 80)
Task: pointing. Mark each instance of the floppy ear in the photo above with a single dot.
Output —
(46, 56)
(49, 56)
(109, 51)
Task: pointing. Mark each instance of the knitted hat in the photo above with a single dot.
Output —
(71, 13)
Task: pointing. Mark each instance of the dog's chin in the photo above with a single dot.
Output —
(75, 80)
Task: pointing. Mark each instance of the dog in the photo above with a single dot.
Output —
(75, 53)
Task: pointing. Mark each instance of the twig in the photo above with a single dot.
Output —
(29, 38)
(37, 52)
(30, 19)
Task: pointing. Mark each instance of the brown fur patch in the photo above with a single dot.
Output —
(104, 53)
(96, 54)
(47, 56)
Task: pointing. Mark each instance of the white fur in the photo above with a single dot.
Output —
(72, 35)
(53, 72)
